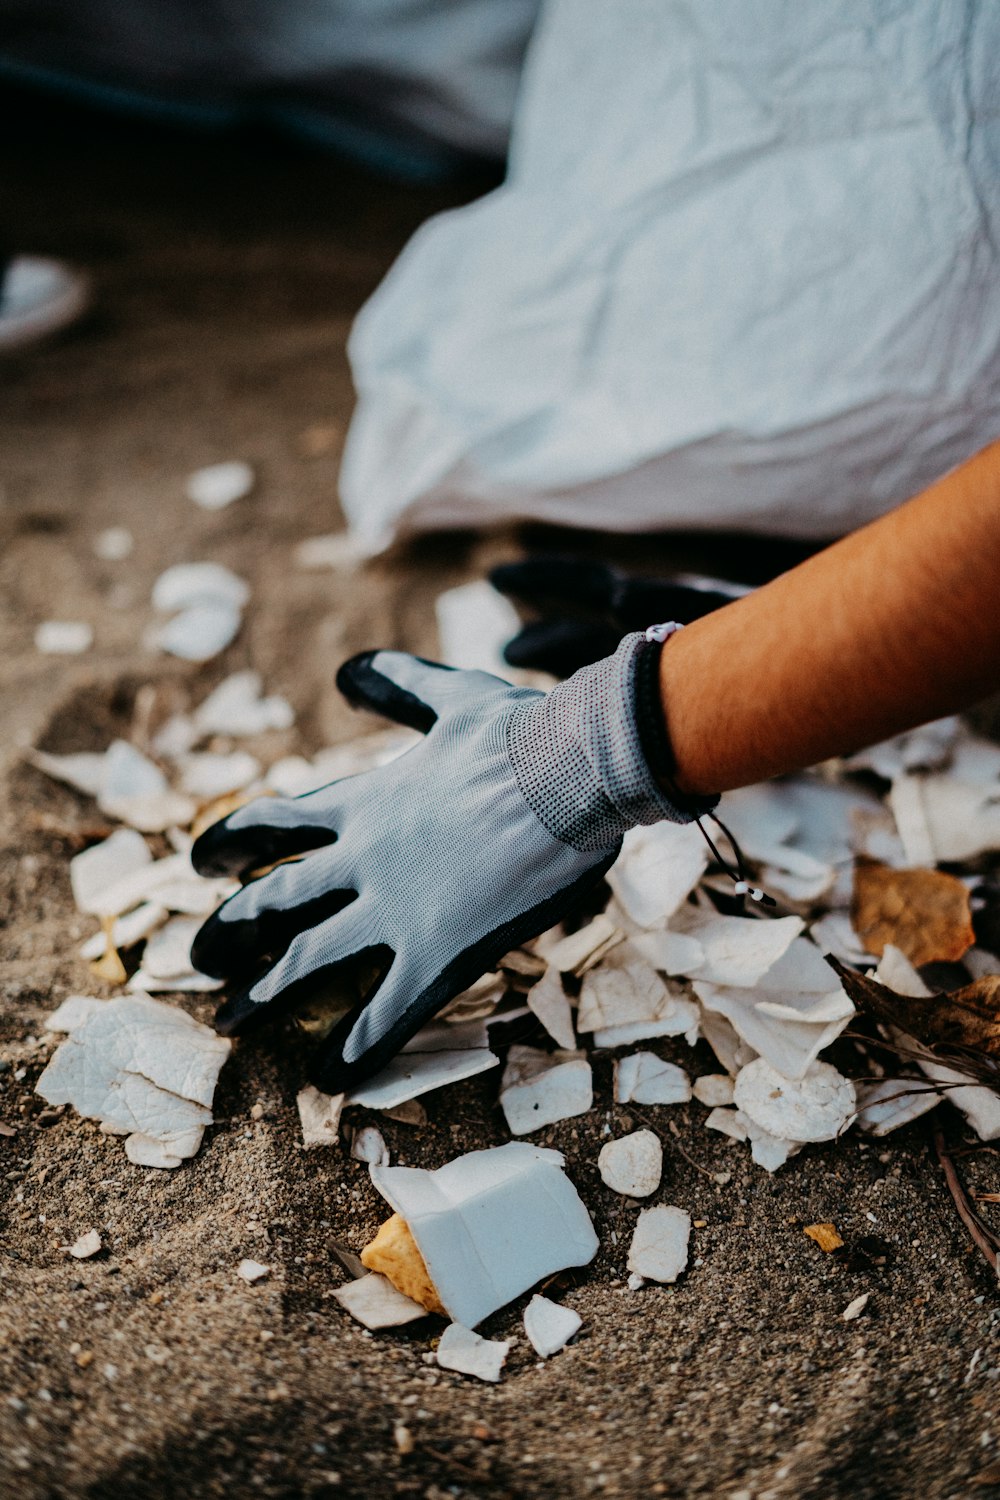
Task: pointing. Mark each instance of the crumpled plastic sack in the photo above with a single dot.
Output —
(743, 274)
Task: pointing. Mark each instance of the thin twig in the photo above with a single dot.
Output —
(981, 1236)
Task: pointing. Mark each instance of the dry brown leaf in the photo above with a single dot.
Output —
(825, 1235)
(968, 1018)
(924, 913)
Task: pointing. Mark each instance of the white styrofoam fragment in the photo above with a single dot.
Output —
(816, 1107)
(252, 1270)
(834, 933)
(669, 951)
(337, 549)
(942, 819)
(569, 954)
(979, 1104)
(143, 1067)
(477, 1002)
(659, 1249)
(170, 882)
(855, 1308)
(737, 951)
(63, 637)
(549, 1002)
(720, 1034)
(796, 875)
(73, 1011)
(549, 1326)
(99, 869)
(923, 748)
(644, 1078)
(790, 1040)
(474, 623)
(188, 585)
(146, 1151)
(373, 1301)
(175, 737)
(411, 1074)
(981, 963)
(127, 930)
(167, 955)
(369, 1145)
(114, 544)
(467, 1353)
(206, 774)
(189, 982)
(199, 632)
(897, 973)
(87, 1245)
(727, 1122)
(714, 1090)
(83, 771)
(658, 867)
(218, 485)
(491, 1224)
(540, 1088)
(975, 760)
(319, 1115)
(628, 998)
(135, 790)
(760, 816)
(885, 1104)
(237, 707)
(767, 1150)
(633, 1164)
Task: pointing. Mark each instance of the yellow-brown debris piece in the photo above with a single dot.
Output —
(825, 1235)
(394, 1253)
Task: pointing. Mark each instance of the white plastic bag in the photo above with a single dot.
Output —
(744, 273)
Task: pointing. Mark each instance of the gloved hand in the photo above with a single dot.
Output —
(586, 607)
(480, 837)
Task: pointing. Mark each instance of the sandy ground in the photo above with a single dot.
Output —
(228, 275)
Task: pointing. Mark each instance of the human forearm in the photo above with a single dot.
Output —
(891, 626)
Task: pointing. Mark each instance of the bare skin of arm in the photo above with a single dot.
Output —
(892, 626)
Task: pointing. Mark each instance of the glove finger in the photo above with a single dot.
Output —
(408, 689)
(261, 920)
(560, 646)
(306, 963)
(557, 585)
(261, 832)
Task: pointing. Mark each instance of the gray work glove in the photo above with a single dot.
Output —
(480, 837)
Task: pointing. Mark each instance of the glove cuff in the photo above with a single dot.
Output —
(583, 755)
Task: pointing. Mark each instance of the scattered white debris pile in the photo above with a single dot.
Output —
(490, 1224)
(468, 1353)
(146, 1071)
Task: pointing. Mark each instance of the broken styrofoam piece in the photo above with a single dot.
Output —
(855, 1308)
(467, 1353)
(768, 1023)
(491, 1224)
(100, 868)
(760, 816)
(715, 1090)
(114, 544)
(919, 749)
(834, 933)
(727, 1122)
(549, 1002)
(87, 1245)
(168, 952)
(975, 760)
(624, 1000)
(336, 549)
(730, 1048)
(885, 1104)
(817, 1107)
(549, 1326)
(644, 1078)
(72, 1013)
(175, 737)
(83, 771)
(659, 1249)
(218, 485)
(369, 1145)
(796, 875)
(319, 1115)
(237, 707)
(198, 633)
(135, 790)
(63, 637)
(411, 1074)
(206, 774)
(657, 869)
(668, 951)
(375, 1302)
(171, 882)
(125, 931)
(193, 585)
(477, 1002)
(737, 951)
(540, 1088)
(767, 1150)
(942, 819)
(252, 1271)
(474, 625)
(143, 1068)
(578, 952)
(633, 1164)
